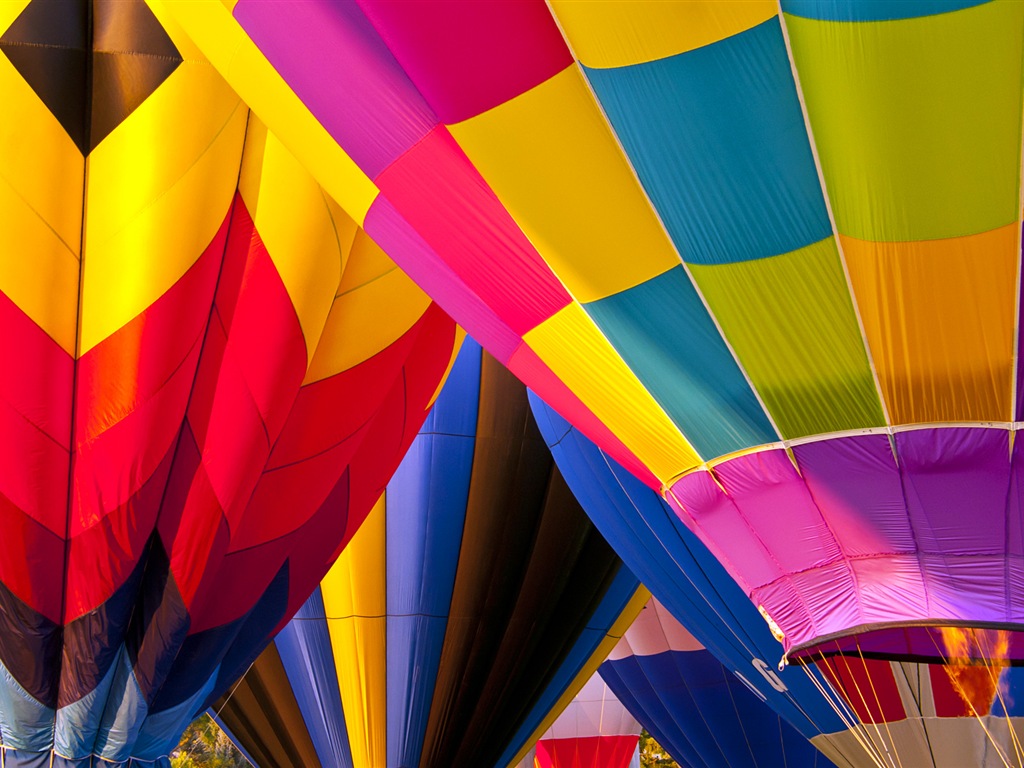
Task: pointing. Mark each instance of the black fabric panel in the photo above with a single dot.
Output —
(92, 642)
(30, 648)
(133, 56)
(261, 712)
(49, 45)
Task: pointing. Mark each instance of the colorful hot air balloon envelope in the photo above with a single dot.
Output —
(210, 372)
(700, 712)
(765, 256)
(594, 730)
(473, 596)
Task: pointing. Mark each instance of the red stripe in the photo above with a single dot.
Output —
(868, 685)
(587, 752)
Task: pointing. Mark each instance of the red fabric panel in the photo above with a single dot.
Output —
(868, 685)
(528, 367)
(587, 752)
(444, 198)
(468, 57)
(31, 560)
(35, 419)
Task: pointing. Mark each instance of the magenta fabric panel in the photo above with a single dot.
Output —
(956, 482)
(711, 514)
(393, 233)
(922, 644)
(444, 198)
(856, 484)
(775, 502)
(334, 60)
(929, 527)
(466, 57)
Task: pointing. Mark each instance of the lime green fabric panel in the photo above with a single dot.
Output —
(917, 121)
(791, 322)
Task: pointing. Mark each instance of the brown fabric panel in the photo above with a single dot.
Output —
(263, 716)
(532, 568)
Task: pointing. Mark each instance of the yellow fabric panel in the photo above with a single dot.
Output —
(210, 25)
(791, 323)
(307, 235)
(589, 219)
(41, 181)
(9, 11)
(376, 304)
(166, 203)
(355, 603)
(939, 318)
(579, 354)
(610, 640)
(616, 33)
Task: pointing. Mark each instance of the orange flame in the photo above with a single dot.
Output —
(976, 660)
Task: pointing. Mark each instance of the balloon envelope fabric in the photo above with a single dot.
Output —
(764, 254)
(475, 594)
(195, 338)
(694, 706)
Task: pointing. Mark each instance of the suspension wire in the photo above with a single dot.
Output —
(878, 700)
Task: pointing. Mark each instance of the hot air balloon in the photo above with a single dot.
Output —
(695, 707)
(765, 255)
(210, 373)
(475, 594)
(594, 730)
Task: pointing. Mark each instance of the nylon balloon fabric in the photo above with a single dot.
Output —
(765, 255)
(468, 609)
(210, 369)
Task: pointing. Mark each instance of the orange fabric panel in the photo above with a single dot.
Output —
(939, 318)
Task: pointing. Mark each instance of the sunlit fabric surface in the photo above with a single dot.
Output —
(196, 338)
(475, 598)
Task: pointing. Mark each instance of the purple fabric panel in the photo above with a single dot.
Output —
(965, 588)
(1015, 586)
(1015, 502)
(1019, 416)
(856, 484)
(919, 643)
(956, 482)
(890, 588)
(466, 57)
(710, 514)
(334, 60)
(406, 248)
(774, 501)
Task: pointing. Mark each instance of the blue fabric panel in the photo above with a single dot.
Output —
(25, 724)
(703, 715)
(619, 593)
(161, 731)
(873, 10)
(680, 571)
(304, 646)
(718, 140)
(664, 333)
(426, 511)
(16, 758)
(1012, 679)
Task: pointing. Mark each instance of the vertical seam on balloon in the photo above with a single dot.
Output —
(661, 223)
(831, 214)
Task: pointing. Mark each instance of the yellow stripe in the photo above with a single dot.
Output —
(460, 336)
(376, 304)
(590, 219)
(41, 182)
(307, 234)
(576, 351)
(9, 11)
(611, 638)
(617, 33)
(355, 602)
(238, 59)
(159, 187)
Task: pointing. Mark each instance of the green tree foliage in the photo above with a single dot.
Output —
(652, 755)
(204, 745)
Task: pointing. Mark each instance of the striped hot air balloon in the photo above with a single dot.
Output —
(210, 372)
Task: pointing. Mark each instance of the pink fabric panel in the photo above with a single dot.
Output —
(856, 484)
(417, 259)
(466, 57)
(888, 583)
(964, 588)
(774, 501)
(529, 368)
(448, 203)
(713, 516)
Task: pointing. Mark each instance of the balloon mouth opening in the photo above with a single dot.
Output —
(922, 643)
